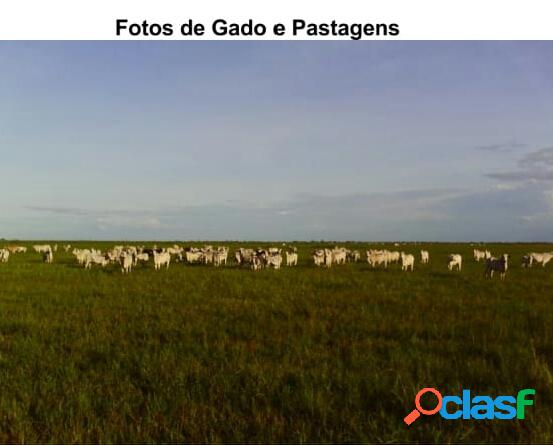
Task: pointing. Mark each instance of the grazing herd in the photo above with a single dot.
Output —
(338, 255)
(129, 257)
(259, 258)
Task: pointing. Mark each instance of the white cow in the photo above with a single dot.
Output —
(208, 254)
(353, 256)
(319, 257)
(454, 260)
(67, 247)
(377, 257)
(220, 256)
(175, 250)
(328, 258)
(94, 258)
(4, 255)
(478, 254)
(425, 257)
(291, 258)
(143, 257)
(48, 256)
(194, 256)
(407, 261)
(497, 265)
(244, 256)
(339, 255)
(393, 257)
(481, 254)
(161, 259)
(16, 249)
(126, 260)
(42, 248)
(274, 260)
(256, 262)
(541, 258)
(81, 255)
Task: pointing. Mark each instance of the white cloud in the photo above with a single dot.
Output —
(504, 186)
(500, 147)
(138, 222)
(432, 214)
(533, 167)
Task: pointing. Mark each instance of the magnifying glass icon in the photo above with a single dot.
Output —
(415, 414)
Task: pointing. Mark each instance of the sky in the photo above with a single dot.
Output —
(381, 140)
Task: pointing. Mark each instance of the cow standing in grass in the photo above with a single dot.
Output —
(4, 255)
(328, 258)
(193, 255)
(407, 261)
(95, 258)
(48, 257)
(527, 261)
(497, 265)
(42, 248)
(244, 256)
(274, 260)
(393, 256)
(353, 256)
(425, 257)
(257, 261)
(454, 260)
(161, 259)
(376, 257)
(220, 256)
(339, 255)
(319, 257)
(292, 258)
(541, 258)
(126, 260)
(143, 257)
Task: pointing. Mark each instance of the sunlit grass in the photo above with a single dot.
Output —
(200, 354)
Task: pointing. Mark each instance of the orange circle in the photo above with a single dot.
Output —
(428, 412)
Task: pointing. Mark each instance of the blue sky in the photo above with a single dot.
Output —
(277, 140)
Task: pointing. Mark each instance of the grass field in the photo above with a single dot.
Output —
(201, 354)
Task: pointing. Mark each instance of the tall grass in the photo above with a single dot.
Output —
(201, 354)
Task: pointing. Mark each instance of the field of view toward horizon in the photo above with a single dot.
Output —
(197, 353)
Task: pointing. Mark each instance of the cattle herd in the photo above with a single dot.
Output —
(128, 257)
